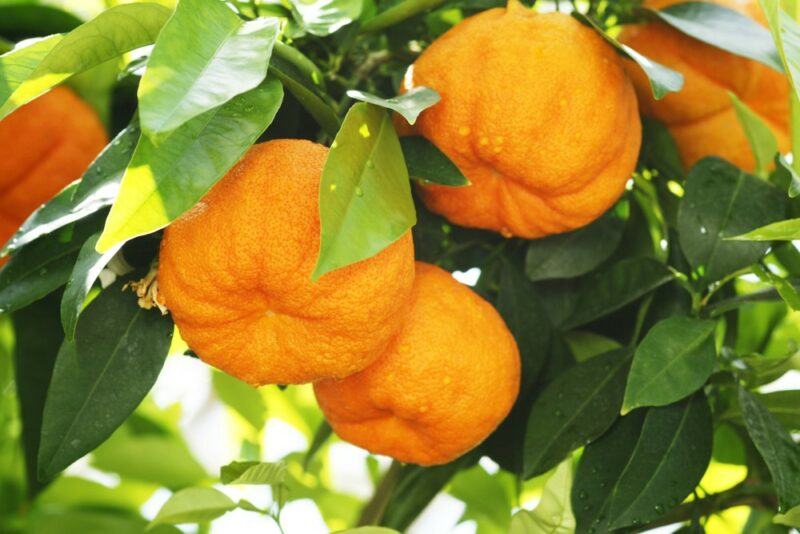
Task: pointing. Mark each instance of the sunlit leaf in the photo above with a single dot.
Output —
(253, 473)
(553, 514)
(113, 32)
(323, 17)
(205, 55)
(194, 505)
(163, 181)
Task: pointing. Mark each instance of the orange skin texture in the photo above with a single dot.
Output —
(538, 114)
(44, 145)
(701, 117)
(235, 272)
(451, 376)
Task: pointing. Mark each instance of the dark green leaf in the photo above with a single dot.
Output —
(427, 163)
(409, 104)
(97, 189)
(163, 181)
(101, 377)
(365, 197)
(113, 32)
(659, 150)
(575, 253)
(324, 17)
(194, 505)
(673, 361)
(784, 405)
(37, 339)
(23, 20)
(780, 452)
(722, 201)
(253, 473)
(663, 80)
(417, 486)
(87, 268)
(43, 266)
(723, 28)
(574, 409)
(611, 289)
(649, 462)
(205, 55)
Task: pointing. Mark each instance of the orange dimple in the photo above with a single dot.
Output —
(547, 142)
(44, 145)
(450, 377)
(701, 117)
(235, 272)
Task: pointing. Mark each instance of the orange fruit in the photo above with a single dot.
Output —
(537, 112)
(450, 377)
(44, 145)
(701, 117)
(235, 272)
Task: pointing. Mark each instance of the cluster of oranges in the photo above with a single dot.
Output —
(540, 114)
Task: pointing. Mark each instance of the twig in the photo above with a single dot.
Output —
(375, 508)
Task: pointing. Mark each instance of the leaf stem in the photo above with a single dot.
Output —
(372, 514)
(398, 13)
(761, 496)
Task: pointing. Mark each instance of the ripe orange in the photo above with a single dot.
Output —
(235, 272)
(537, 112)
(701, 117)
(448, 380)
(44, 145)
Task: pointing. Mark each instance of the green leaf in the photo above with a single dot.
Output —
(721, 201)
(324, 17)
(194, 505)
(205, 55)
(762, 141)
(17, 65)
(777, 448)
(368, 530)
(553, 514)
(723, 28)
(101, 377)
(659, 150)
(427, 163)
(649, 462)
(575, 253)
(790, 518)
(321, 436)
(784, 288)
(37, 339)
(409, 104)
(784, 405)
(787, 230)
(113, 32)
(242, 397)
(97, 189)
(608, 290)
(86, 521)
(87, 268)
(365, 200)
(417, 486)
(253, 473)
(662, 79)
(304, 80)
(163, 181)
(162, 459)
(43, 266)
(574, 409)
(673, 361)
